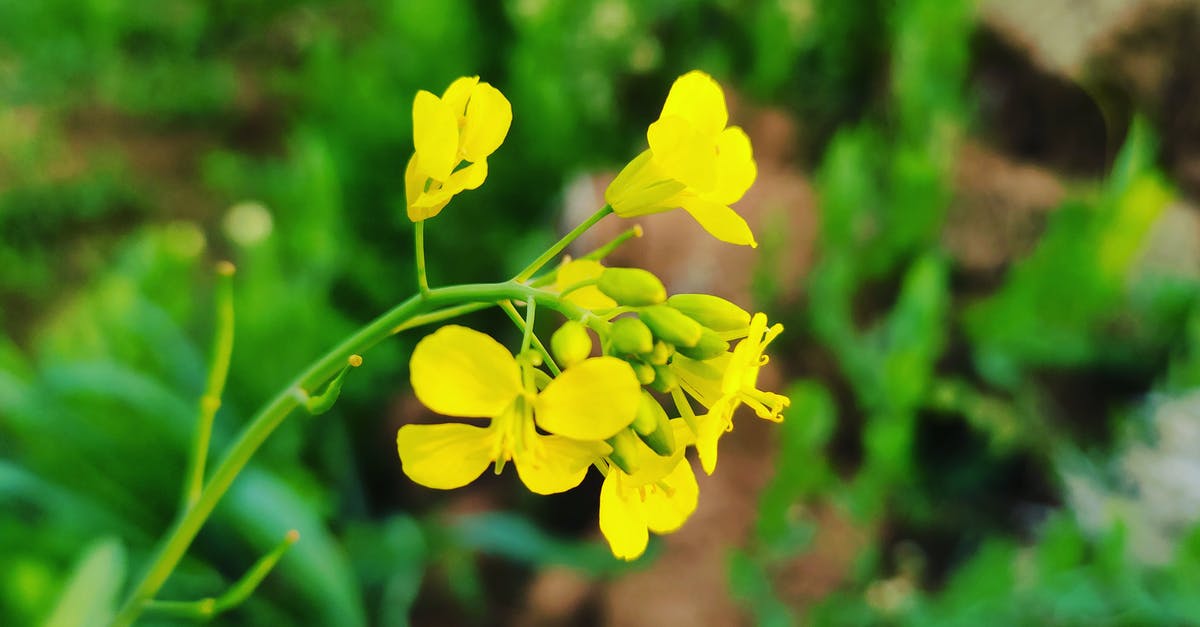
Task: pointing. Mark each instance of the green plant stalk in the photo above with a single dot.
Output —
(523, 325)
(555, 250)
(419, 236)
(218, 371)
(270, 416)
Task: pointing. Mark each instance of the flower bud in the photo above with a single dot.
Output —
(671, 326)
(710, 345)
(664, 379)
(713, 312)
(644, 372)
(661, 354)
(654, 427)
(632, 286)
(631, 336)
(624, 451)
(571, 343)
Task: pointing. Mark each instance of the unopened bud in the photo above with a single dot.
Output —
(711, 311)
(664, 379)
(571, 343)
(631, 336)
(632, 286)
(671, 325)
(624, 451)
(644, 372)
(653, 426)
(710, 345)
(661, 354)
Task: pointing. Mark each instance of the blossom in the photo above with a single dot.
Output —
(457, 371)
(660, 496)
(468, 123)
(577, 272)
(694, 162)
(725, 383)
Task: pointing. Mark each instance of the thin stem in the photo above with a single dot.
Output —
(607, 249)
(527, 335)
(419, 235)
(175, 544)
(440, 315)
(561, 244)
(512, 314)
(218, 371)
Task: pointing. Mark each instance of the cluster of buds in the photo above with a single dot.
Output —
(633, 377)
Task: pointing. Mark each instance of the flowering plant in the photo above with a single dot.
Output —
(594, 397)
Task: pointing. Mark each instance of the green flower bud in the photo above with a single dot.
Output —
(710, 345)
(631, 286)
(713, 312)
(653, 426)
(671, 326)
(631, 336)
(661, 354)
(664, 379)
(571, 343)
(624, 451)
(644, 372)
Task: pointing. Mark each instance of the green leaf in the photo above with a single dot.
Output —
(90, 594)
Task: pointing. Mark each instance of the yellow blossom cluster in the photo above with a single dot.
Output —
(599, 396)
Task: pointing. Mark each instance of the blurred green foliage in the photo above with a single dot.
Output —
(140, 141)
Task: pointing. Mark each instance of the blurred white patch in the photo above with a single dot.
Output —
(248, 223)
(1155, 492)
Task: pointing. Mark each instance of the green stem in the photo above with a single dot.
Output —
(419, 234)
(218, 370)
(607, 249)
(512, 314)
(440, 315)
(270, 416)
(561, 244)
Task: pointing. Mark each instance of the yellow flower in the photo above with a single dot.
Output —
(658, 497)
(726, 382)
(461, 372)
(468, 123)
(694, 162)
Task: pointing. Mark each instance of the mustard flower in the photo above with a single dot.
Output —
(694, 162)
(725, 383)
(468, 123)
(577, 271)
(457, 371)
(660, 496)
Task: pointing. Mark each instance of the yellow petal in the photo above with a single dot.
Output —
(736, 169)
(415, 182)
(444, 456)
(667, 510)
(642, 188)
(697, 98)
(703, 380)
(720, 221)
(489, 115)
(710, 427)
(458, 371)
(557, 464)
(684, 153)
(591, 400)
(435, 135)
(577, 271)
(621, 519)
(458, 93)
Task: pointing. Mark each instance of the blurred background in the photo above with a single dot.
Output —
(978, 222)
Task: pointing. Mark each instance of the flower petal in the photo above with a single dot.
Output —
(457, 94)
(444, 456)
(710, 427)
(458, 371)
(621, 519)
(435, 135)
(557, 464)
(697, 98)
(736, 169)
(703, 380)
(720, 221)
(415, 182)
(591, 400)
(666, 511)
(684, 153)
(489, 116)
